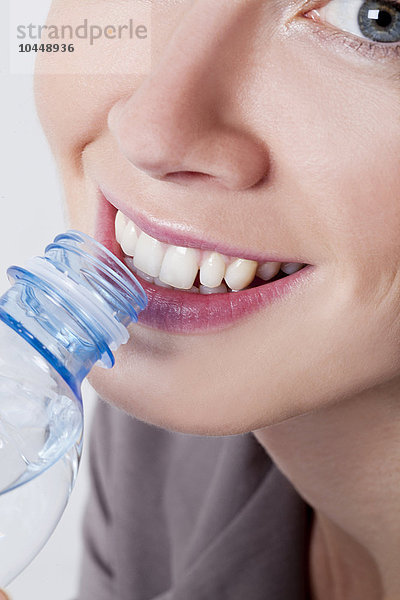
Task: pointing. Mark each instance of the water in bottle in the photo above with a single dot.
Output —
(65, 312)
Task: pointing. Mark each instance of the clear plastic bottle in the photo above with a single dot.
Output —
(65, 312)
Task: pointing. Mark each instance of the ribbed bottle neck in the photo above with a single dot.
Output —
(73, 304)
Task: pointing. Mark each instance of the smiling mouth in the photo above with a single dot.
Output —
(192, 270)
(192, 286)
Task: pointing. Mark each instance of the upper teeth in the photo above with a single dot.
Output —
(178, 266)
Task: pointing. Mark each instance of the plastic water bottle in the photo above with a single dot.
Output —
(65, 312)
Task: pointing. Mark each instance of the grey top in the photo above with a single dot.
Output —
(178, 517)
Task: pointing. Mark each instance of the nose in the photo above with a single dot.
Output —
(175, 126)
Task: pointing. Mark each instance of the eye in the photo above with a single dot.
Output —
(378, 21)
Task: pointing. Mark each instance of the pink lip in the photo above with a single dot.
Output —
(170, 236)
(183, 312)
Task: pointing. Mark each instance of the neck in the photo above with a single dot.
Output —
(344, 460)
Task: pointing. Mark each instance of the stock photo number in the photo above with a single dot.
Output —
(46, 48)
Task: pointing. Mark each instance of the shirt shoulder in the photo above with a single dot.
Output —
(172, 516)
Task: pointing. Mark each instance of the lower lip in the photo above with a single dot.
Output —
(185, 312)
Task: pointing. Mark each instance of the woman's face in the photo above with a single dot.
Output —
(250, 125)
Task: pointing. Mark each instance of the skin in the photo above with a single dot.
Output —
(269, 119)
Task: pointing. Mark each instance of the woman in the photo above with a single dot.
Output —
(242, 138)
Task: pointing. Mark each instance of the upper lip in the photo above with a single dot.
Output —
(171, 234)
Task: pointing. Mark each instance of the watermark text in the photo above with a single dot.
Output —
(84, 31)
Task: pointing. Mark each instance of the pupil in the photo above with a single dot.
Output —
(384, 19)
(379, 20)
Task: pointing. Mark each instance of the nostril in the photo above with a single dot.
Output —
(186, 176)
(190, 177)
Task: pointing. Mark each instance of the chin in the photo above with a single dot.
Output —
(185, 412)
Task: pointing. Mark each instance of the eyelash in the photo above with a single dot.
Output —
(377, 50)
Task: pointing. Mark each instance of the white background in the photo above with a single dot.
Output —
(31, 214)
(23, 12)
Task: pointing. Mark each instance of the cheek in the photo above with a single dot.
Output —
(337, 167)
(75, 91)
(51, 93)
(88, 104)
(363, 200)
(69, 132)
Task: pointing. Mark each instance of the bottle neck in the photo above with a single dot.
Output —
(73, 305)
